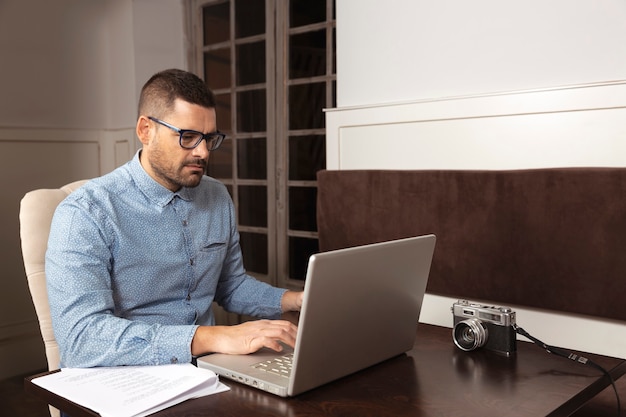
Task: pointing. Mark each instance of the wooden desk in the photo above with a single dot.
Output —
(433, 379)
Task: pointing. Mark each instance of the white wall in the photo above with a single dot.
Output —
(70, 75)
(54, 63)
(486, 84)
(80, 64)
(403, 50)
(160, 39)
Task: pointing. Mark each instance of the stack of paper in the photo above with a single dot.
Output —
(131, 391)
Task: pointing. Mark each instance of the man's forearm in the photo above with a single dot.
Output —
(291, 301)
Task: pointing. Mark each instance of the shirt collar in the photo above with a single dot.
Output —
(152, 189)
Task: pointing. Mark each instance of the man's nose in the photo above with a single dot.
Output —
(202, 150)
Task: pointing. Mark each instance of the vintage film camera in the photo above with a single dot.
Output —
(477, 325)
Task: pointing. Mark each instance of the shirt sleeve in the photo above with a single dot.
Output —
(81, 296)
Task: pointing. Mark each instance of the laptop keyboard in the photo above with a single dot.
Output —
(280, 365)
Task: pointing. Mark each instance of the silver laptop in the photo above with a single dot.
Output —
(361, 306)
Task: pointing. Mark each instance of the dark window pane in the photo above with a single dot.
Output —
(302, 208)
(217, 68)
(251, 110)
(251, 63)
(305, 12)
(220, 161)
(254, 250)
(307, 54)
(249, 18)
(307, 155)
(306, 102)
(252, 158)
(300, 249)
(224, 113)
(333, 51)
(252, 205)
(216, 23)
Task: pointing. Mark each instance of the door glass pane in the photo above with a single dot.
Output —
(306, 102)
(250, 63)
(334, 49)
(249, 18)
(223, 113)
(307, 155)
(305, 12)
(252, 158)
(307, 54)
(251, 111)
(254, 250)
(220, 161)
(252, 205)
(302, 208)
(217, 68)
(216, 23)
(300, 249)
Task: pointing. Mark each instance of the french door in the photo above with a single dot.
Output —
(271, 64)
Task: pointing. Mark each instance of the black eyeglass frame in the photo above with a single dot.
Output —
(213, 139)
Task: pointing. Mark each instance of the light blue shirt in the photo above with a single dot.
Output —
(132, 269)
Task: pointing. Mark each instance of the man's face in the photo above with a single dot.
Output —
(163, 158)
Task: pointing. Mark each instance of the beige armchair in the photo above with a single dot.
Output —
(36, 210)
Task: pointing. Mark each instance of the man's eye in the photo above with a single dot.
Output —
(190, 137)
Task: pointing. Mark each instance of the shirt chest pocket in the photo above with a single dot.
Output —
(210, 257)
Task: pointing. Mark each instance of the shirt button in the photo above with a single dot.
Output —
(174, 359)
(184, 222)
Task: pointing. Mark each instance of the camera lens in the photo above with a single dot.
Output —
(469, 334)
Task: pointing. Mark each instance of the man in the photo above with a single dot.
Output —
(136, 257)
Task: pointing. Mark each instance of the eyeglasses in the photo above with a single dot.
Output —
(189, 139)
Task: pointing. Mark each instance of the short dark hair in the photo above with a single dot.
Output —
(163, 88)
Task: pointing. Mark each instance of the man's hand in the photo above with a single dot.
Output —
(244, 338)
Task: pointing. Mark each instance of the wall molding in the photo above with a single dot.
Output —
(427, 133)
(116, 146)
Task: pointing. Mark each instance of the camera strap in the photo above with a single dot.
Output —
(571, 356)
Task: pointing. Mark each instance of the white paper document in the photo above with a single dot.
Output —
(131, 391)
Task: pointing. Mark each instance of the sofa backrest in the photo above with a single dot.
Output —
(547, 238)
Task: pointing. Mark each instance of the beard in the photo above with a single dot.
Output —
(175, 175)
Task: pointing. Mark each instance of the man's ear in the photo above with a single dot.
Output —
(143, 129)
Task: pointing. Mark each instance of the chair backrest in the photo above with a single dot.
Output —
(36, 211)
